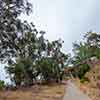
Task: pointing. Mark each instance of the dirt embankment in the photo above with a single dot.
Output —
(91, 88)
(94, 82)
(45, 92)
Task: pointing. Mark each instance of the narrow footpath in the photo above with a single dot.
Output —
(73, 93)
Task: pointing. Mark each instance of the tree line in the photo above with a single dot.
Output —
(29, 56)
(84, 51)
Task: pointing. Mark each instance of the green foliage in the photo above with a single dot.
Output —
(84, 51)
(51, 66)
(26, 51)
(82, 70)
(84, 79)
(21, 71)
(1, 85)
(38, 58)
(49, 70)
(81, 52)
(11, 26)
(93, 40)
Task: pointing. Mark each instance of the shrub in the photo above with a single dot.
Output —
(84, 79)
(83, 70)
(1, 84)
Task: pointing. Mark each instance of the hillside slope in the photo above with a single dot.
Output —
(94, 82)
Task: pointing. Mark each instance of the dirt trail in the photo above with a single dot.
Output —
(73, 93)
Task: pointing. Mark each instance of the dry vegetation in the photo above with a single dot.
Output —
(44, 92)
(94, 84)
(91, 88)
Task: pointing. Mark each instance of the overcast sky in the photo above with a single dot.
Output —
(66, 19)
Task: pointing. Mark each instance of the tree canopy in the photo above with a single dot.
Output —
(26, 51)
(85, 50)
(11, 26)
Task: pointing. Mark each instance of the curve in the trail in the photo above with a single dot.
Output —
(73, 93)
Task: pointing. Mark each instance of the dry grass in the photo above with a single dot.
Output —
(94, 85)
(91, 88)
(46, 92)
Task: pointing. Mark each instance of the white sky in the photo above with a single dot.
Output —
(66, 19)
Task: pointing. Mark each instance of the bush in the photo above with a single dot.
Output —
(1, 84)
(84, 79)
(83, 70)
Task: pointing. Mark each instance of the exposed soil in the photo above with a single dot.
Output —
(43, 92)
(91, 88)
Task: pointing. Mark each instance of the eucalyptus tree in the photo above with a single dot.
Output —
(11, 25)
(28, 55)
(84, 51)
(21, 72)
(51, 65)
(17, 38)
(93, 40)
(81, 53)
(22, 68)
(80, 58)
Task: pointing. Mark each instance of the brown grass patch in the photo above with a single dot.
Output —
(43, 92)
